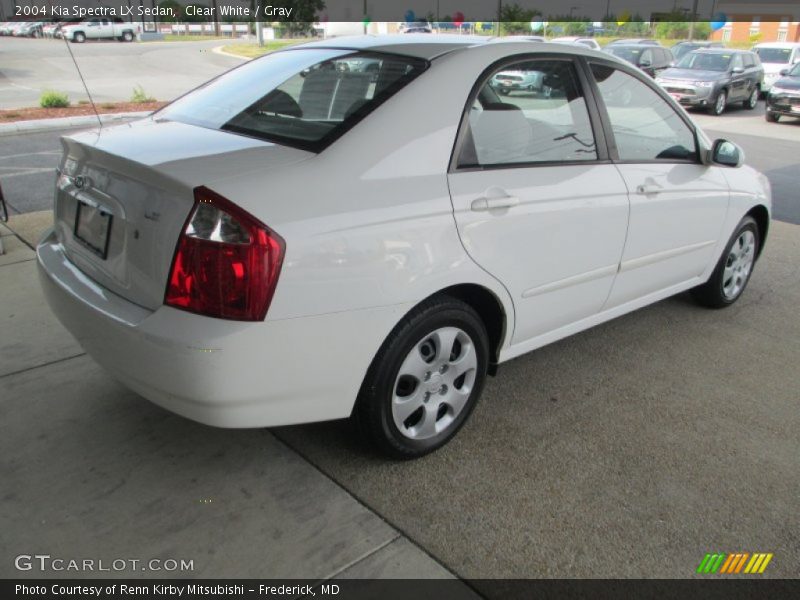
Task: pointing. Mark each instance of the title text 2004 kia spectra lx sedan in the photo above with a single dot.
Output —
(296, 241)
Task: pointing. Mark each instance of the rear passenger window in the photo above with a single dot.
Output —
(529, 112)
(645, 126)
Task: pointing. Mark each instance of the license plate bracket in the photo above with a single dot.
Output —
(93, 228)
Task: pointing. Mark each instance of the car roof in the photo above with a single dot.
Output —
(721, 51)
(784, 45)
(425, 45)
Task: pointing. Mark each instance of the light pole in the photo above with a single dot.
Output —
(692, 18)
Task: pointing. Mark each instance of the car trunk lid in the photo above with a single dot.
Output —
(124, 194)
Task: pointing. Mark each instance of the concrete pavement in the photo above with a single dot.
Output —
(90, 470)
(630, 450)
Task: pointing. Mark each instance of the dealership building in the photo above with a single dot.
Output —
(759, 21)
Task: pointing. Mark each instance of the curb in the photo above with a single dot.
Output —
(219, 50)
(38, 125)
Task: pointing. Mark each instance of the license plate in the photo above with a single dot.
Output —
(93, 228)
(677, 97)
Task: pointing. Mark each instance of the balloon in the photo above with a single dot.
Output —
(458, 18)
(536, 25)
(719, 21)
(410, 16)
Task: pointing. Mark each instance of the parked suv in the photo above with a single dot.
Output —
(712, 78)
(649, 58)
(784, 95)
(776, 56)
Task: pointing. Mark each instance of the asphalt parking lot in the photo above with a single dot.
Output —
(111, 69)
(629, 450)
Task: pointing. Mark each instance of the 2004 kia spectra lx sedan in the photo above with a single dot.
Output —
(296, 241)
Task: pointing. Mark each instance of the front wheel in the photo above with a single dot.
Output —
(79, 38)
(732, 273)
(719, 104)
(752, 100)
(425, 380)
(772, 117)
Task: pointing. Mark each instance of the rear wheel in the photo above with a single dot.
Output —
(752, 99)
(127, 36)
(732, 273)
(79, 38)
(772, 117)
(425, 380)
(720, 103)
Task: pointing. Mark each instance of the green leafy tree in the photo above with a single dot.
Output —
(177, 10)
(304, 14)
(516, 20)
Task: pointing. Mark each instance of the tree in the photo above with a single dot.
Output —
(304, 15)
(516, 20)
(177, 10)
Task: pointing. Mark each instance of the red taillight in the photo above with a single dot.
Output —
(226, 264)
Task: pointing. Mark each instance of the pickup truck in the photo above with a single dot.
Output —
(100, 29)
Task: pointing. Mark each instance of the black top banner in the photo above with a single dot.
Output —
(373, 11)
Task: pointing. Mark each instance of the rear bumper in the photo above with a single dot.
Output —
(217, 372)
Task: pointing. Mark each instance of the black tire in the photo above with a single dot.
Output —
(711, 293)
(79, 37)
(772, 117)
(504, 92)
(752, 100)
(127, 36)
(718, 107)
(373, 410)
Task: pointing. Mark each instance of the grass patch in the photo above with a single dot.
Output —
(254, 50)
(53, 99)
(139, 96)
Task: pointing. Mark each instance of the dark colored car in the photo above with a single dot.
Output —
(649, 58)
(681, 49)
(713, 78)
(784, 96)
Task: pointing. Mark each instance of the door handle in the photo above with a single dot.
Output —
(481, 204)
(648, 189)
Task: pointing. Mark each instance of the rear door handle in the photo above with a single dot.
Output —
(481, 204)
(646, 190)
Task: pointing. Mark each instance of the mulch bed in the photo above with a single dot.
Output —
(25, 114)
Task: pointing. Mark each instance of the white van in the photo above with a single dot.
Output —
(776, 56)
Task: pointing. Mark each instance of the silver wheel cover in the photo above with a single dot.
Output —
(434, 383)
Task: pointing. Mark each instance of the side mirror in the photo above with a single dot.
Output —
(645, 63)
(727, 154)
(737, 70)
(784, 72)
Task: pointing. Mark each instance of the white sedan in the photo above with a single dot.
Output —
(296, 242)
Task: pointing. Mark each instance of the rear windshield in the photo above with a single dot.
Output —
(306, 98)
(702, 61)
(629, 53)
(774, 55)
